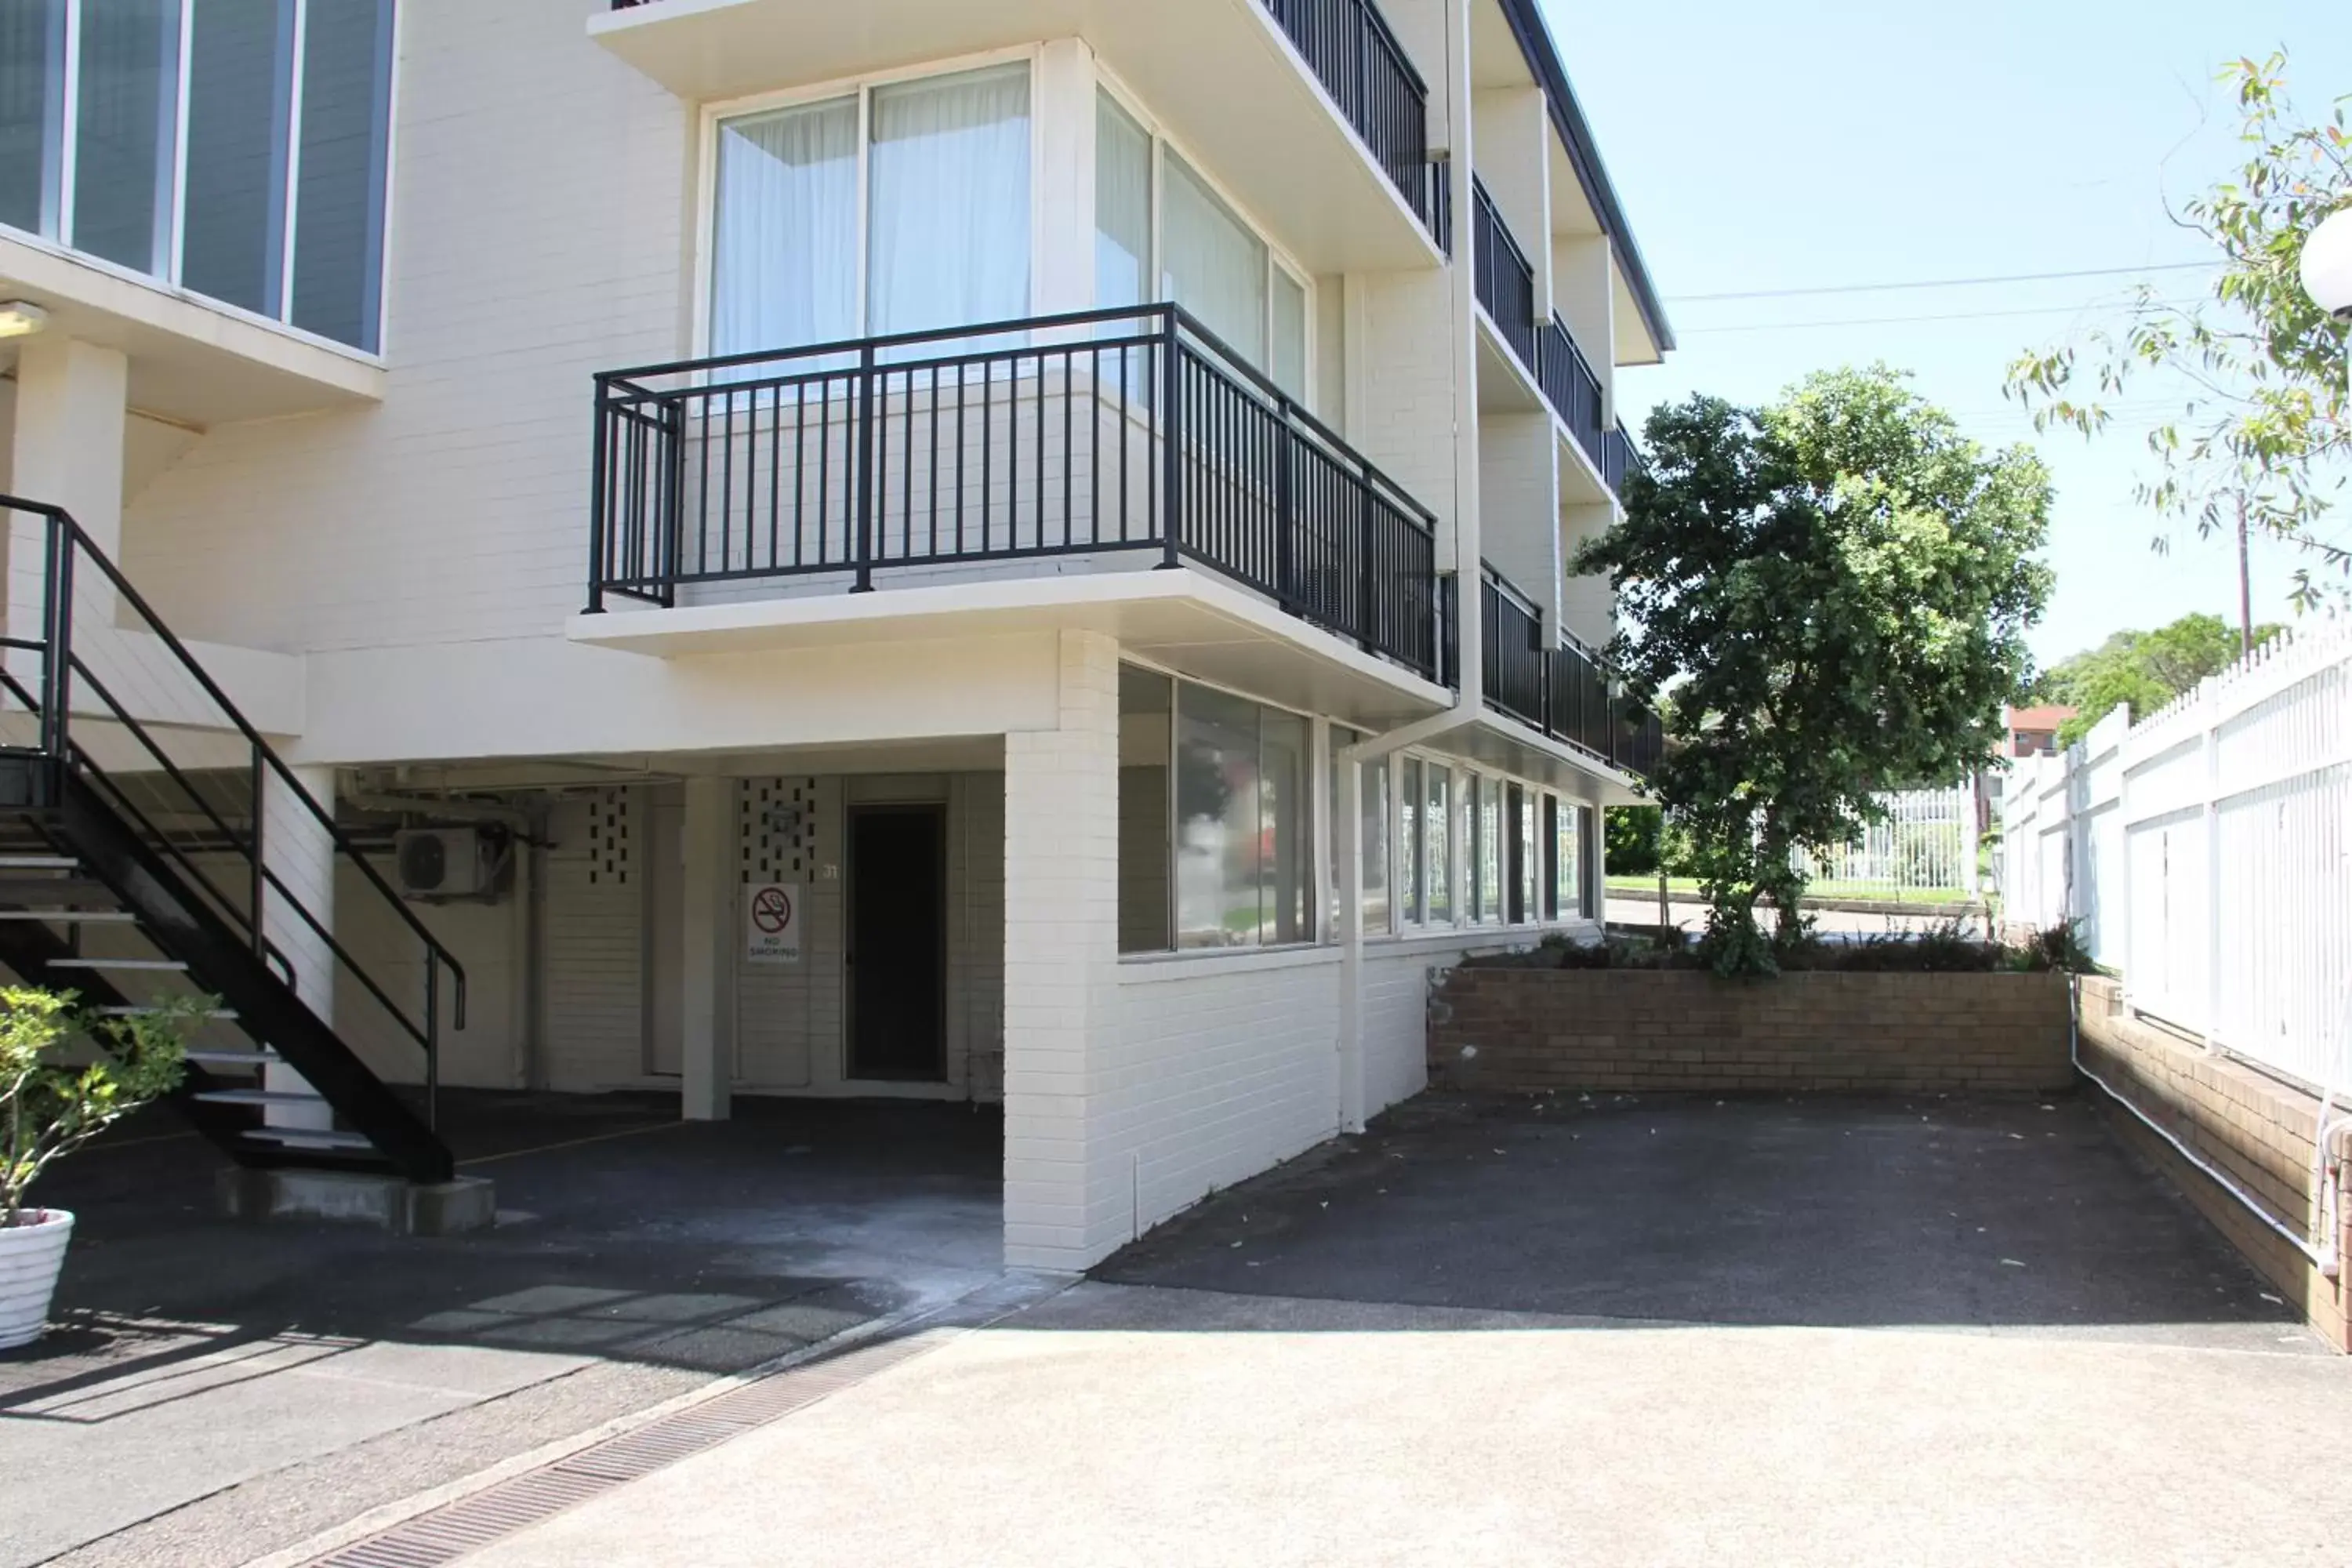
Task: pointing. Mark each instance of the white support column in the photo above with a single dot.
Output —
(1068, 1199)
(71, 405)
(1469, 608)
(300, 855)
(707, 950)
(1065, 115)
(1350, 837)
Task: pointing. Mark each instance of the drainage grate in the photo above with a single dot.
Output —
(447, 1533)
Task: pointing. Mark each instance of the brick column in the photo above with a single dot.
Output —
(1064, 1207)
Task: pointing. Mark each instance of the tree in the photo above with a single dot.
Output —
(1836, 589)
(2269, 422)
(2142, 669)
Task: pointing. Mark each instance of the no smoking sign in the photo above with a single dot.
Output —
(772, 927)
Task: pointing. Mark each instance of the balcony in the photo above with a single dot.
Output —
(1558, 687)
(1064, 446)
(1547, 351)
(1354, 190)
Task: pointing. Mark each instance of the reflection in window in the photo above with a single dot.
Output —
(346, 144)
(1412, 852)
(126, 118)
(1567, 860)
(32, 112)
(1437, 833)
(1146, 734)
(240, 110)
(1527, 858)
(1487, 871)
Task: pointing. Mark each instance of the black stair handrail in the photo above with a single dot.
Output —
(66, 542)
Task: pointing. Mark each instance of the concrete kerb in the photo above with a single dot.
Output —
(1028, 1288)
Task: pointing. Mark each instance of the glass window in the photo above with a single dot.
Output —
(1242, 867)
(1145, 731)
(240, 106)
(1412, 852)
(1285, 819)
(1289, 365)
(1437, 833)
(1372, 835)
(1212, 264)
(785, 254)
(1527, 858)
(1122, 207)
(1567, 860)
(948, 207)
(1488, 868)
(339, 192)
(32, 112)
(126, 118)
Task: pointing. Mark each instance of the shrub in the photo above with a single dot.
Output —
(49, 1108)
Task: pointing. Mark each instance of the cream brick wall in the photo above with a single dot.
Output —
(1518, 494)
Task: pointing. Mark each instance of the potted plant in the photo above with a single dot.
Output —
(49, 1108)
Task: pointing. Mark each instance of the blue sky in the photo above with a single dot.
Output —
(1836, 143)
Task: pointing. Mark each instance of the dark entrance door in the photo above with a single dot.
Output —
(897, 943)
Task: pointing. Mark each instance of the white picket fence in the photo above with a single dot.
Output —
(2206, 851)
(1927, 845)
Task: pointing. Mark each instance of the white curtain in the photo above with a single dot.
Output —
(1213, 266)
(1289, 364)
(785, 269)
(1122, 207)
(950, 202)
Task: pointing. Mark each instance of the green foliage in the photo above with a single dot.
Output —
(49, 1108)
(2145, 669)
(1948, 947)
(1836, 588)
(2268, 421)
(1632, 832)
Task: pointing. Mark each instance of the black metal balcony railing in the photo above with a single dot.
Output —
(1572, 389)
(1619, 457)
(1441, 204)
(1558, 687)
(1507, 279)
(1079, 436)
(1349, 46)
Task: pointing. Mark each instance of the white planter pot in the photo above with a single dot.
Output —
(31, 1253)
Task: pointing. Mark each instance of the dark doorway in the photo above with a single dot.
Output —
(897, 943)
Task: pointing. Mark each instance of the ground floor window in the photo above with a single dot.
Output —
(1565, 840)
(1372, 838)
(1214, 822)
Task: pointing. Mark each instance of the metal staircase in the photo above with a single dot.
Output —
(153, 845)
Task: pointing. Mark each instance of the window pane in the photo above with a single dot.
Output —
(1568, 868)
(1413, 853)
(1213, 265)
(784, 256)
(1374, 828)
(1122, 207)
(1437, 832)
(1219, 821)
(1490, 796)
(1289, 367)
(1286, 865)
(1530, 858)
(126, 116)
(240, 94)
(32, 110)
(949, 208)
(339, 197)
(1144, 701)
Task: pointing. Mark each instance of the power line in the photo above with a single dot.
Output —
(1944, 282)
(1902, 320)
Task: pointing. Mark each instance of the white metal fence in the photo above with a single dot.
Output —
(2206, 851)
(1927, 845)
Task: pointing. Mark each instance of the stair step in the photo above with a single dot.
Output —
(167, 965)
(253, 1060)
(224, 1014)
(39, 863)
(308, 1138)
(47, 891)
(73, 917)
(258, 1097)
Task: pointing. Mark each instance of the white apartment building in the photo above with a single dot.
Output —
(998, 549)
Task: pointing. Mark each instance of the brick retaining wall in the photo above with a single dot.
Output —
(2244, 1121)
(1528, 1029)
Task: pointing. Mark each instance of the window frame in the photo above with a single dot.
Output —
(1279, 260)
(173, 246)
(860, 86)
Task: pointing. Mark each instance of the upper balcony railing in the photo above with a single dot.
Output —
(1618, 458)
(1081, 439)
(1507, 279)
(1358, 59)
(1558, 687)
(1573, 390)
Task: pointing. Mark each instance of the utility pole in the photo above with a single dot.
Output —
(2245, 585)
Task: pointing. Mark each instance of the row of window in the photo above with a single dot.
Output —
(906, 207)
(234, 148)
(1216, 824)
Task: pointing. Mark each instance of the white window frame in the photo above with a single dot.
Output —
(862, 87)
(172, 247)
(1277, 258)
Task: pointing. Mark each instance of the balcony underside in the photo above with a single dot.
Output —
(1218, 74)
(1186, 619)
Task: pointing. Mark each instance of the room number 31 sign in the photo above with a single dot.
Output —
(772, 924)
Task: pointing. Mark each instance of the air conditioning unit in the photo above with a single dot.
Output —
(439, 862)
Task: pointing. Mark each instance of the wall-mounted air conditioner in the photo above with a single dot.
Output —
(437, 863)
